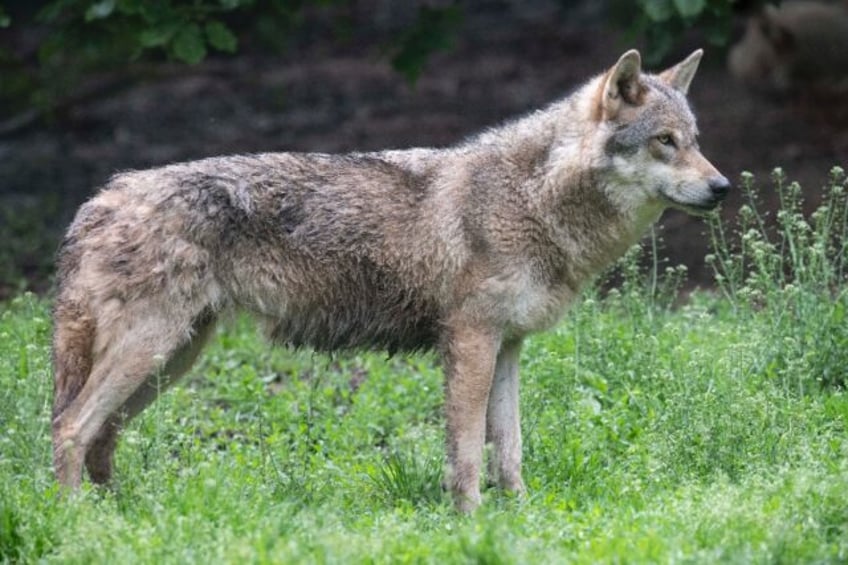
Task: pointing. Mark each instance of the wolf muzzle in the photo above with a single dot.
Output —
(720, 187)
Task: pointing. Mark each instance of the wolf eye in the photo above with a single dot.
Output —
(666, 139)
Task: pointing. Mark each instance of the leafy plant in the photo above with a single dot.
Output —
(86, 37)
(11, 539)
(434, 31)
(662, 22)
(403, 477)
(124, 29)
(795, 267)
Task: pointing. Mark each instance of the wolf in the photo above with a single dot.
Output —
(464, 250)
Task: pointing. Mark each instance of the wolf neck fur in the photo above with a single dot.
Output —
(560, 176)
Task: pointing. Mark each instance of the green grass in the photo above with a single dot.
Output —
(715, 430)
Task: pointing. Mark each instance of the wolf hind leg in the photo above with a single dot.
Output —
(99, 460)
(99, 457)
(503, 425)
(127, 351)
(73, 343)
(112, 380)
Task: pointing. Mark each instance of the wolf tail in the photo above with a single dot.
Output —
(74, 329)
(73, 350)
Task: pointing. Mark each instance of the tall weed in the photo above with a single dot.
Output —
(789, 274)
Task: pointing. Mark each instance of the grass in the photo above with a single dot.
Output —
(712, 431)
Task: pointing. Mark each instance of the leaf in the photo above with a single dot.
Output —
(717, 33)
(188, 45)
(433, 31)
(716, 27)
(100, 10)
(657, 10)
(157, 36)
(51, 12)
(690, 8)
(660, 40)
(220, 37)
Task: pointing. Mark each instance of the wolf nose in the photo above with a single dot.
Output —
(719, 186)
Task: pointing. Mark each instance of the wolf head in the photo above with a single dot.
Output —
(649, 141)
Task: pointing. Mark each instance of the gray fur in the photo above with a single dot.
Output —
(465, 250)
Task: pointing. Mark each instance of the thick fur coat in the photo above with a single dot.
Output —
(465, 250)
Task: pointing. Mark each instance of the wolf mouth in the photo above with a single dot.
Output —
(695, 208)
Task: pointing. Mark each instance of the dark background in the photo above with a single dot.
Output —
(328, 94)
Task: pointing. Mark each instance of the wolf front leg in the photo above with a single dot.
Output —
(503, 425)
(469, 361)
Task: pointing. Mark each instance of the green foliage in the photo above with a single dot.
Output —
(123, 29)
(796, 267)
(434, 31)
(84, 37)
(662, 22)
(715, 430)
(11, 540)
(80, 38)
(405, 478)
(666, 20)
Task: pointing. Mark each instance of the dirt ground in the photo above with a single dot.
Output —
(328, 97)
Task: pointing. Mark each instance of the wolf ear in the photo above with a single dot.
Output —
(680, 75)
(622, 84)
